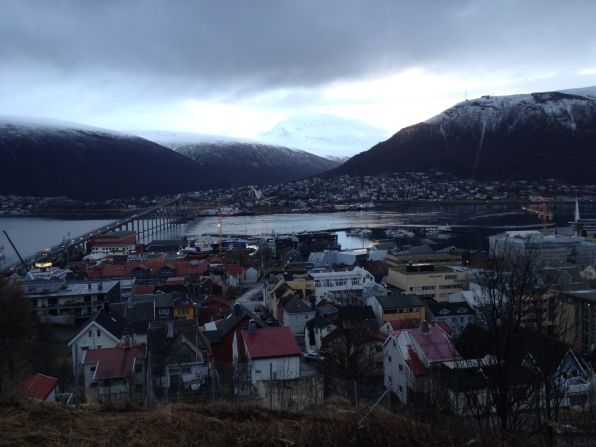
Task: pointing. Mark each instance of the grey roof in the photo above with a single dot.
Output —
(110, 321)
(225, 326)
(67, 288)
(586, 295)
(160, 299)
(297, 306)
(458, 308)
(398, 301)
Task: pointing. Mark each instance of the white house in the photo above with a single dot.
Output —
(269, 354)
(104, 330)
(296, 313)
(341, 284)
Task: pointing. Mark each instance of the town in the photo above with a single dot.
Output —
(320, 194)
(500, 339)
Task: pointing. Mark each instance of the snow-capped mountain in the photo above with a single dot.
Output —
(242, 161)
(325, 135)
(528, 136)
(43, 157)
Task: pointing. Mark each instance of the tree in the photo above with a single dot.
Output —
(18, 333)
(512, 307)
(350, 349)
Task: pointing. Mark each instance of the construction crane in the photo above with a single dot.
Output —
(16, 251)
(545, 215)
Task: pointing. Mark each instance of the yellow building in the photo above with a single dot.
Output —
(184, 312)
(397, 307)
(427, 281)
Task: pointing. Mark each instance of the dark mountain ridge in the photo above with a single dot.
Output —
(54, 158)
(243, 162)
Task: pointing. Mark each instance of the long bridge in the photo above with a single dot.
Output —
(144, 222)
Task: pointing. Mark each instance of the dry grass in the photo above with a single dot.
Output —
(25, 423)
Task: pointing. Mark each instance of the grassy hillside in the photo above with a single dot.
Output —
(214, 425)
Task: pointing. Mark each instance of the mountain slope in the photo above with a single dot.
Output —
(242, 161)
(55, 158)
(530, 136)
(325, 135)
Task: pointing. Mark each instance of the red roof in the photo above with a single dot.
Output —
(271, 342)
(113, 362)
(434, 343)
(142, 289)
(38, 386)
(415, 364)
(234, 270)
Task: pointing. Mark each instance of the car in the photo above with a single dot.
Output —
(313, 354)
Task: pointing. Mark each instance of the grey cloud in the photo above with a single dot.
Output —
(154, 49)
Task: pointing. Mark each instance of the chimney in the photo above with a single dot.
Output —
(126, 341)
(89, 286)
(100, 286)
(424, 326)
(237, 309)
(252, 326)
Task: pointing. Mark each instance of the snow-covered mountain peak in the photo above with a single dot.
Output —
(488, 112)
(324, 134)
(31, 125)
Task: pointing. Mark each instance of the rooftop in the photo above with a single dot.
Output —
(271, 342)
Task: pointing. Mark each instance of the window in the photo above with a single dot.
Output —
(401, 367)
(138, 367)
(84, 348)
(90, 333)
(389, 358)
(92, 369)
(98, 333)
(186, 370)
(99, 347)
(401, 390)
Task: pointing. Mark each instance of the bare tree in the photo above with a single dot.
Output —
(511, 307)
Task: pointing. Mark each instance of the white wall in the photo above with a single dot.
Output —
(296, 322)
(283, 368)
(95, 341)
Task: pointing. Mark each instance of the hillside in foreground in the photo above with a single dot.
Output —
(213, 425)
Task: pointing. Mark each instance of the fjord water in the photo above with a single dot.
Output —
(477, 221)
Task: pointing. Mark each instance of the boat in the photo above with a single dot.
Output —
(359, 232)
(399, 233)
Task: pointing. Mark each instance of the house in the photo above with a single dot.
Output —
(341, 286)
(39, 387)
(397, 306)
(409, 355)
(214, 308)
(221, 334)
(271, 353)
(355, 344)
(179, 356)
(104, 330)
(162, 302)
(296, 313)
(456, 315)
(315, 330)
(115, 375)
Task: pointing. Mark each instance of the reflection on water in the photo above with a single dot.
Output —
(33, 235)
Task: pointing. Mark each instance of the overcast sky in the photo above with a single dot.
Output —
(239, 67)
